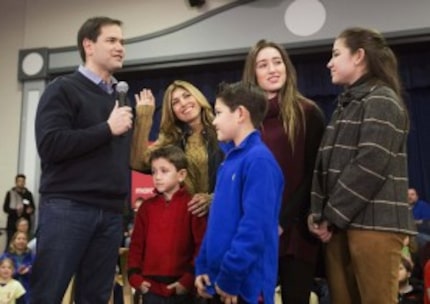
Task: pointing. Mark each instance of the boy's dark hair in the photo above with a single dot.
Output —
(172, 154)
(247, 95)
(91, 30)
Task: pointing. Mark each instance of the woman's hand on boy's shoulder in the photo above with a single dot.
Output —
(199, 204)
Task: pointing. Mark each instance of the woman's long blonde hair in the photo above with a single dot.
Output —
(174, 132)
(291, 112)
(12, 247)
(171, 128)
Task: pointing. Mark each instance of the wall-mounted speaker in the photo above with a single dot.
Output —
(194, 3)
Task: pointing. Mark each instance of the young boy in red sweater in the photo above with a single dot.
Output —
(166, 237)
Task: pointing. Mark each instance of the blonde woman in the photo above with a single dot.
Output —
(186, 121)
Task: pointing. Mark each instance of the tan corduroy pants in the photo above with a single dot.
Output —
(362, 266)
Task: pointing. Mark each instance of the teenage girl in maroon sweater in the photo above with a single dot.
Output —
(292, 130)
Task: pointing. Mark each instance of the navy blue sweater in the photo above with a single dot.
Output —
(81, 159)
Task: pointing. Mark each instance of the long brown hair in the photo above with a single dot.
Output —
(381, 62)
(380, 59)
(291, 111)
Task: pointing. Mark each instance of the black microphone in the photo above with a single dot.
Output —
(122, 89)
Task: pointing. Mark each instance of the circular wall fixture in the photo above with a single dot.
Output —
(305, 17)
(32, 63)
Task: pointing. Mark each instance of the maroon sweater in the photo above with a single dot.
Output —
(165, 240)
(298, 171)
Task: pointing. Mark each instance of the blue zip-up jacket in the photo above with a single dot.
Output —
(240, 247)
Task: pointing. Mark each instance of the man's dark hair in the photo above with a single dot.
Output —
(91, 30)
(19, 175)
(172, 154)
(245, 94)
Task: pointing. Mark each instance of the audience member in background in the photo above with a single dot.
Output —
(128, 219)
(292, 130)
(83, 138)
(186, 122)
(406, 249)
(129, 225)
(236, 260)
(408, 293)
(166, 237)
(18, 203)
(420, 208)
(360, 181)
(22, 225)
(23, 259)
(425, 264)
(421, 214)
(11, 291)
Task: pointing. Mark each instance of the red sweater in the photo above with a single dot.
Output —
(426, 282)
(165, 240)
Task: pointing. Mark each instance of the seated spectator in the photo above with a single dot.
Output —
(11, 291)
(22, 257)
(22, 225)
(420, 208)
(409, 292)
(129, 222)
(425, 264)
(421, 214)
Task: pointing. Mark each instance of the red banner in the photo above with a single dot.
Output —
(141, 186)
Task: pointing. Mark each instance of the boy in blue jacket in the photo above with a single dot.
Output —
(237, 262)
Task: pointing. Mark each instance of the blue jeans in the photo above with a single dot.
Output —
(75, 239)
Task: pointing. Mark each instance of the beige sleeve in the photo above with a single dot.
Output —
(139, 145)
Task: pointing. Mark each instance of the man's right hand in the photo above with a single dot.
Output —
(120, 120)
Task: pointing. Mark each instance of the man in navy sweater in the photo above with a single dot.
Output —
(82, 137)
